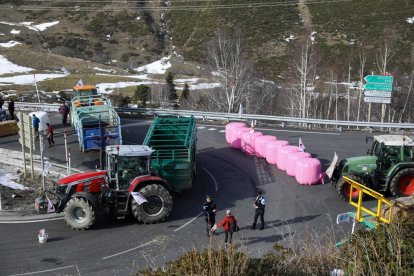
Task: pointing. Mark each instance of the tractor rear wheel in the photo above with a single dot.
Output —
(402, 184)
(344, 188)
(79, 213)
(157, 208)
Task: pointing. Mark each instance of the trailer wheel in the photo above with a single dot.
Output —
(157, 208)
(402, 184)
(344, 189)
(79, 213)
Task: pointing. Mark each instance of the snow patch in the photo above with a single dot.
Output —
(157, 67)
(29, 79)
(138, 18)
(186, 80)
(410, 20)
(312, 37)
(16, 32)
(9, 44)
(8, 67)
(44, 26)
(288, 39)
(107, 88)
(199, 86)
(103, 70)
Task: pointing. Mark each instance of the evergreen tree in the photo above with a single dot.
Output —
(142, 94)
(186, 92)
(170, 87)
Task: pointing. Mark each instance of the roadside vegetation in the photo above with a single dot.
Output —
(386, 250)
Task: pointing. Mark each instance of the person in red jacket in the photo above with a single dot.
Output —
(229, 224)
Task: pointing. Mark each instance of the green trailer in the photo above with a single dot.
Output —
(174, 140)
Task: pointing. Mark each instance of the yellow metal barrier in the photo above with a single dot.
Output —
(365, 190)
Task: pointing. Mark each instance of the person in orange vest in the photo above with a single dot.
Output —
(229, 224)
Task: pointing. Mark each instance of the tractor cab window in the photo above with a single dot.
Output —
(130, 167)
(376, 149)
(408, 153)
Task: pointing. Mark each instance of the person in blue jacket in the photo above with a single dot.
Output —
(36, 123)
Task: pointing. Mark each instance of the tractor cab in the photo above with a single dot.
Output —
(389, 160)
(84, 90)
(126, 162)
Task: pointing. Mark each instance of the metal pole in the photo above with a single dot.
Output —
(43, 163)
(66, 151)
(31, 148)
(69, 158)
(37, 91)
(369, 112)
(23, 146)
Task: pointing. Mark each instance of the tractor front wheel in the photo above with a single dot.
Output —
(158, 206)
(343, 188)
(79, 213)
(402, 184)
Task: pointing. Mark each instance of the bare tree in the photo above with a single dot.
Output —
(362, 61)
(408, 97)
(383, 58)
(232, 71)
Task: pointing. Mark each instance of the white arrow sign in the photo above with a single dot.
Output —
(383, 100)
(377, 93)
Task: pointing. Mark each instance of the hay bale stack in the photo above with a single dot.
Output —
(402, 207)
(8, 128)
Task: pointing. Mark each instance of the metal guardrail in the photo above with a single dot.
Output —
(232, 116)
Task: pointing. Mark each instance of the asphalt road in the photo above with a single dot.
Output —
(121, 247)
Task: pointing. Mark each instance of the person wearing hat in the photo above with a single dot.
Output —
(229, 224)
(210, 210)
(259, 205)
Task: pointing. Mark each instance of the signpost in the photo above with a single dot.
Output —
(26, 139)
(383, 100)
(378, 90)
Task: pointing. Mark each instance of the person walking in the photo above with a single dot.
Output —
(229, 224)
(64, 111)
(259, 205)
(1, 102)
(50, 135)
(36, 123)
(210, 210)
(11, 109)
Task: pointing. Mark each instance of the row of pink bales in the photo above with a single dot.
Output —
(301, 165)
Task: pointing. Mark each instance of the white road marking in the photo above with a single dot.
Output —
(222, 131)
(212, 128)
(201, 127)
(212, 177)
(27, 221)
(187, 223)
(43, 271)
(126, 251)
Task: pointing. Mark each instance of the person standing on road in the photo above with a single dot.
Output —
(36, 123)
(1, 102)
(210, 210)
(229, 224)
(64, 111)
(259, 205)
(50, 135)
(11, 109)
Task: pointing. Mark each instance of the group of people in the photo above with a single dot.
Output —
(49, 130)
(229, 222)
(10, 107)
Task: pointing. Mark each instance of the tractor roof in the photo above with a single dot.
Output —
(84, 87)
(394, 140)
(130, 150)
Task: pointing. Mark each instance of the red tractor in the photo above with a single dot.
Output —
(83, 196)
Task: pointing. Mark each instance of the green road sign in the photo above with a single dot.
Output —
(379, 79)
(378, 86)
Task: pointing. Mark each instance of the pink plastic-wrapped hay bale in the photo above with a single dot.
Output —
(291, 161)
(229, 127)
(260, 144)
(272, 148)
(282, 155)
(308, 171)
(247, 142)
(236, 136)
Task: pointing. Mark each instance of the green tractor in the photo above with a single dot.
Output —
(388, 166)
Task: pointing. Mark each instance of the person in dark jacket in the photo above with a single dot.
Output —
(228, 224)
(11, 109)
(64, 111)
(1, 102)
(210, 210)
(50, 135)
(259, 205)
